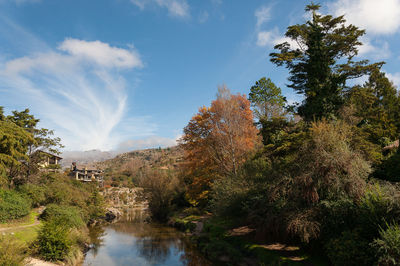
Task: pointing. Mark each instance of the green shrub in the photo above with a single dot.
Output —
(337, 216)
(390, 168)
(36, 193)
(388, 245)
(69, 216)
(228, 195)
(96, 206)
(53, 241)
(13, 205)
(12, 252)
(350, 249)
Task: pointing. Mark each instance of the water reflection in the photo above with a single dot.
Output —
(139, 243)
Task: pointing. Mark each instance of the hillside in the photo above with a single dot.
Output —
(124, 169)
(85, 157)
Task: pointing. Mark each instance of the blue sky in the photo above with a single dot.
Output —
(129, 74)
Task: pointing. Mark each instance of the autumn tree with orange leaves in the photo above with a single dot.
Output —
(217, 141)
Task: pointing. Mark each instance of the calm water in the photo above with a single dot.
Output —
(139, 243)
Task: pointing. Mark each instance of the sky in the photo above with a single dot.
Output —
(129, 74)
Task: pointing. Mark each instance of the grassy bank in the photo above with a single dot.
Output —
(59, 233)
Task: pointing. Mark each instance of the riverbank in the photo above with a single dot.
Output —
(223, 242)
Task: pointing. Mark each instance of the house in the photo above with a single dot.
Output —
(86, 173)
(46, 160)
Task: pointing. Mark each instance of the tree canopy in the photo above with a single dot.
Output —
(322, 62)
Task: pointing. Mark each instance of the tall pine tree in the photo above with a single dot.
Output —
(322, 62)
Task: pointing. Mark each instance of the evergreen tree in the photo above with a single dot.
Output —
(322, 63)
(378, 107)
(269, 108)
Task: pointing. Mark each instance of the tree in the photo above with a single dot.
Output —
(322, 62)
(266, 99)
(217, 141)
(14, 142)
(378, 108)
(2, 117)
(269, 107)
(42, 139)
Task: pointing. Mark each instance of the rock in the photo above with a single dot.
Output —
(112, 214)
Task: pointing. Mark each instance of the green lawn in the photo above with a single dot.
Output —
(18, 229)
(28, 234)
(27, 220)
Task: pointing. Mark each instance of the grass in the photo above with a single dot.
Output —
(27, 220)
(24, 234)
(28, 234)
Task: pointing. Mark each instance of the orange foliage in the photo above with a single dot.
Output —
(217, 141)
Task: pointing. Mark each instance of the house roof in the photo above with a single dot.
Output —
(88, 168)
(49, 154)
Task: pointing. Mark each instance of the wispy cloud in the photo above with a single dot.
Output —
(78, 89)
(176, 8)
(272, 38)
(377, 17)
(378, 51)
(263, 14)
(203, 17)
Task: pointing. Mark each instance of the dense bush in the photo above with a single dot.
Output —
(390, 168)
(228, 195)
(388, 245)
(12, 252)
(13, 205)
(53, 241)
(350, 249)
(69, 216)
(37, 193)
(61, 190)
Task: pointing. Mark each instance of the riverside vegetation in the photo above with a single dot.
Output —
(61, 232)
(312, 183)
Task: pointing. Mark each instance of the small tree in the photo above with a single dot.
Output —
(269, 108)
(53, 241)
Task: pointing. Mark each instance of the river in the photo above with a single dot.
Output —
(131, 241)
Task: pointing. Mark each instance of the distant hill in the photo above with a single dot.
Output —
(85, 157)
(126, 167)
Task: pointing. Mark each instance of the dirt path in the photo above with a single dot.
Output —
(11, 228)
(37, 262)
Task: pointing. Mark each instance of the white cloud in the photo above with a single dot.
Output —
(176, 8)
(378, 17)
(203, 17)
(76, 90)
(101, 53)
(264, 38)
(272, 38)
(150, 142)
(395, 78)
(379, 51)
(263, 14)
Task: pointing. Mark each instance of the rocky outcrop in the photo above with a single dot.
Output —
(112, 214)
